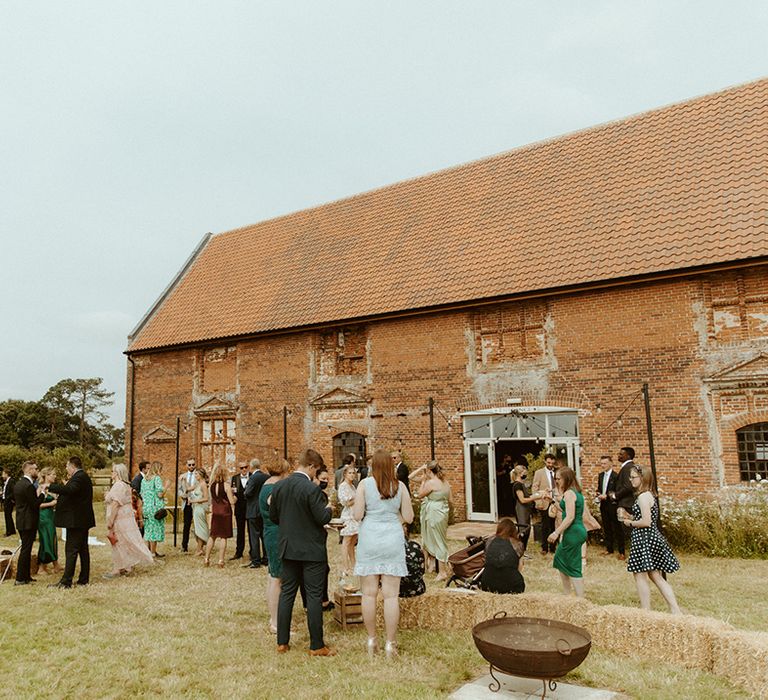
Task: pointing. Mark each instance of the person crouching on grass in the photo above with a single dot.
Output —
(649, 553)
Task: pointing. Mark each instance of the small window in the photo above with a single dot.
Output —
(217, 442)
(752, 443)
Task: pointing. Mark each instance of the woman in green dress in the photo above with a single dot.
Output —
(277, 470)
(48, 553)
(152, 492)
(435, 495)
(571, 532)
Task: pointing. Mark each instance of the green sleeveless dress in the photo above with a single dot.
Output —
(568, 554)
(46, 531)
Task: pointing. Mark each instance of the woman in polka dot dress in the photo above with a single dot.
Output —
(649, 553)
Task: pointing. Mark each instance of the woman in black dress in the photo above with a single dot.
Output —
(523, 502)
(502, 560)
(649, 553)
(412, 584)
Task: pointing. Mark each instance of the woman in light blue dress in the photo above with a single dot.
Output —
(382, 504)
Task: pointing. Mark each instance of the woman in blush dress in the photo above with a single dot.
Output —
(197, 497)
(48, 553)
(278, 470)
(348, 533)
(222, 499)
(382, 504)
(128, 547)
(152, 497)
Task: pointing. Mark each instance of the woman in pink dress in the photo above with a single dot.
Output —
(128, 546)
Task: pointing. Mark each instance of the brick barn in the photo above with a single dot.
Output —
(529, 295)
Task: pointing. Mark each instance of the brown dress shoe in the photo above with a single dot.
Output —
(322, 651)
(282, 648)
(621, 557)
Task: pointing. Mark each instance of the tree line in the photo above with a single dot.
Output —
(68, 419)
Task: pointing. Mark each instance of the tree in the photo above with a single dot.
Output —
(83, 398)
(23, 423)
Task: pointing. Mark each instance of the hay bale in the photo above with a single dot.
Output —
(741, 658)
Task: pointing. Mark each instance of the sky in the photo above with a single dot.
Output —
(129, 130)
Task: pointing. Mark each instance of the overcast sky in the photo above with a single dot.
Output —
(131, 129)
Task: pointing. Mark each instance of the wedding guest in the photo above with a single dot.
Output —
(524, 502)
(257, 548)
(570, 531)
(346, 495)
(435, 494)
(238, 483)
(606, 486)
(401, 469)
(382, 503)
(222, 499)
(503, 559)
(128, 547)
(321, 480)
(413, 584)
(8, 503)
(300, 511)
(650, 555)
(277, 471)
(48, 551)
(74, 511)
(153, 503)
(544, 483)
(198, 497)
(28, 500)
(136, 496)
(186, 480)
(348, 461)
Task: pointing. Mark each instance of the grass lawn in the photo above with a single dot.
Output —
(178, 628)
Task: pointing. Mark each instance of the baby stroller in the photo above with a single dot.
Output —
(468, 564)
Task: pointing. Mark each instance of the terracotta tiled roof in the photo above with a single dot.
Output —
(679, 187)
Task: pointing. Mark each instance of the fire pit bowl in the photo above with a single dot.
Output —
(530, 647)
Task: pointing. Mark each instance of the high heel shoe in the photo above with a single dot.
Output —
(207, 562)
(390, 650)
(221, 564)
(372, 646)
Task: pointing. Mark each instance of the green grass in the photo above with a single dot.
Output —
(179, 629)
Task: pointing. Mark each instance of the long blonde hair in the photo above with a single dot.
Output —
(155, 469)
(122, 472)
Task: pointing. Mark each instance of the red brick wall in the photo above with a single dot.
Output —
(591, 351)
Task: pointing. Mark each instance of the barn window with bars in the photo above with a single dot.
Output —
(753, 451)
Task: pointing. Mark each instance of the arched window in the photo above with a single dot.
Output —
(346, 443)
(753, 450)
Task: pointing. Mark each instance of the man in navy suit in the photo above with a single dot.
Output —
(301, 512)
(253, 515)
(74, 511)
(28, 500)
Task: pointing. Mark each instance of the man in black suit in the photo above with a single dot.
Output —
(8, 502)
(28, 501)
(624, 495)
(238, 484)
(606, 485)
(258, 554)
(298, 507)
(401, 469)
(74, 511)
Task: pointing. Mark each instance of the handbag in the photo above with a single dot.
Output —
(553, 510)
(160, 514)
(112, 538)
(590, 523)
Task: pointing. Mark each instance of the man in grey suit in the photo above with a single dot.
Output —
(300, 510)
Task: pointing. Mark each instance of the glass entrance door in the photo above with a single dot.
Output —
(480, 480)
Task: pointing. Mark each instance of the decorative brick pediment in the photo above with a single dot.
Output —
(750, 373)
(339, 398)
(215, 405)
(160, 434)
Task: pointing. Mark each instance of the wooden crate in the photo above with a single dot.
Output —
(349, 608)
